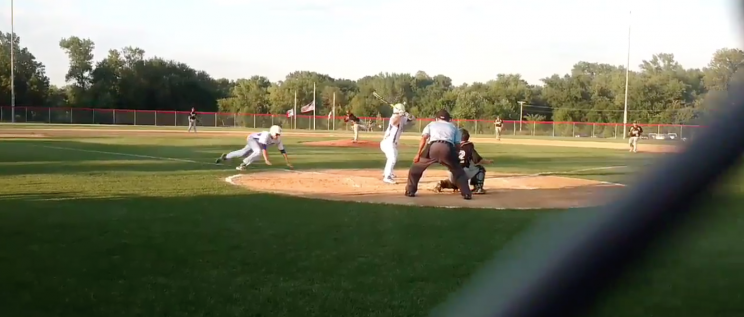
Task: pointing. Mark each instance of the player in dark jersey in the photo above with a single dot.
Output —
(472, 163)
(357, 124)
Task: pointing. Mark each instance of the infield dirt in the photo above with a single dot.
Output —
(504, 191)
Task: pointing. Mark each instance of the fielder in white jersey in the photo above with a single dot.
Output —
(389, 143)
(256, 144)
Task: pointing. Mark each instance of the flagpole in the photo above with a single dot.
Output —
(315, 105)
(295, 111)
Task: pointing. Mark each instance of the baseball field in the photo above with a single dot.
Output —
(127, 221)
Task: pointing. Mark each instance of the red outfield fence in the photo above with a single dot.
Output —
(217, 119)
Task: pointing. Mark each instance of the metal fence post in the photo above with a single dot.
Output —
(215, 119)
(254, 121)
(26, 114)
(593, 125)
(476, 127)
(49, 118)
(114, 119)
(94, 116)
(553, 129)
(135, 117)
(573, 129)
(70, 115)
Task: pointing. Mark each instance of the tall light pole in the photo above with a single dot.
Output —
(627, 77)
(521, 115)
(12, 63)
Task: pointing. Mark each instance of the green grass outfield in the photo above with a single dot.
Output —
(132, 226)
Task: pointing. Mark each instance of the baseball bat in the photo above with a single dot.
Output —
(374, 93)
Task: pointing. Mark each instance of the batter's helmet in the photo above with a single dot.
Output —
(465, 135)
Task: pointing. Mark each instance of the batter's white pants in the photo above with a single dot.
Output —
(391, 154)
(356, 128)
(250, 152)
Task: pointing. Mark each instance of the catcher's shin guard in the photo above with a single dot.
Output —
(479, 179)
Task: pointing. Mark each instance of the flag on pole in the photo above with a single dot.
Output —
(290, 113)
(308, 107)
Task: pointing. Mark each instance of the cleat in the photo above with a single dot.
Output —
(241, 167)
(467, 197)
(410, 194)
(389, 180)
(479, 191)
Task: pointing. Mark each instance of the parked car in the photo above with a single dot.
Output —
(657, 136)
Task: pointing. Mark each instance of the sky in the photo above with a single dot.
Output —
(467, 40)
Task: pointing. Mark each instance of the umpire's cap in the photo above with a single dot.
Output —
(444, 115)
(465, 135)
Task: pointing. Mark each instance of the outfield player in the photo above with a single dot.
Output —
(256, 144)
(634, 133)
(472, 163)
(192, 120)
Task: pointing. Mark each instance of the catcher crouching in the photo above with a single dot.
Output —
(472, 163)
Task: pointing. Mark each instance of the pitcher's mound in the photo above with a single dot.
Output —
(503, 191)
(346, 143)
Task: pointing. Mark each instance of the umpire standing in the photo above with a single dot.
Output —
(440, 142)
(192, 120)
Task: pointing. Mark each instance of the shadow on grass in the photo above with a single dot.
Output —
(190, 256)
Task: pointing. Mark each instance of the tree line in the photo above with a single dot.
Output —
(662, 91)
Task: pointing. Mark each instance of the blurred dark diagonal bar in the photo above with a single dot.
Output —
(563, 264)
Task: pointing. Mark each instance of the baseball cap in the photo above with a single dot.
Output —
(444, 115)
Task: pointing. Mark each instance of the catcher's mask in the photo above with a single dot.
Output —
(465, 135)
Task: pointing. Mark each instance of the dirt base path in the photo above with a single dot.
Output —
(503, 191)
(116, 131)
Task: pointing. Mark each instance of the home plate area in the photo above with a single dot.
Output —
(504, 191)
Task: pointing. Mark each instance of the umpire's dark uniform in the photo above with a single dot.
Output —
(443, 139)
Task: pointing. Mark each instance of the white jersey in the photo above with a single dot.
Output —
(264, 139)
(393, 132)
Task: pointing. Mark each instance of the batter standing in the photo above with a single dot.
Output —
(389, 143)
(440, 142)
(634, 132)
(192, 120)
(499, 124)
(357, 124)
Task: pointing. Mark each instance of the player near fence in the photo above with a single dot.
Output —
(440, 143)
(256, 144)
(472, 163)
(356, 124)
(192, 120)
(634, 132)
(498, 123)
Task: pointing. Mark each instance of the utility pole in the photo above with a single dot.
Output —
(521, 114)
(627, 79)
(12, 62)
